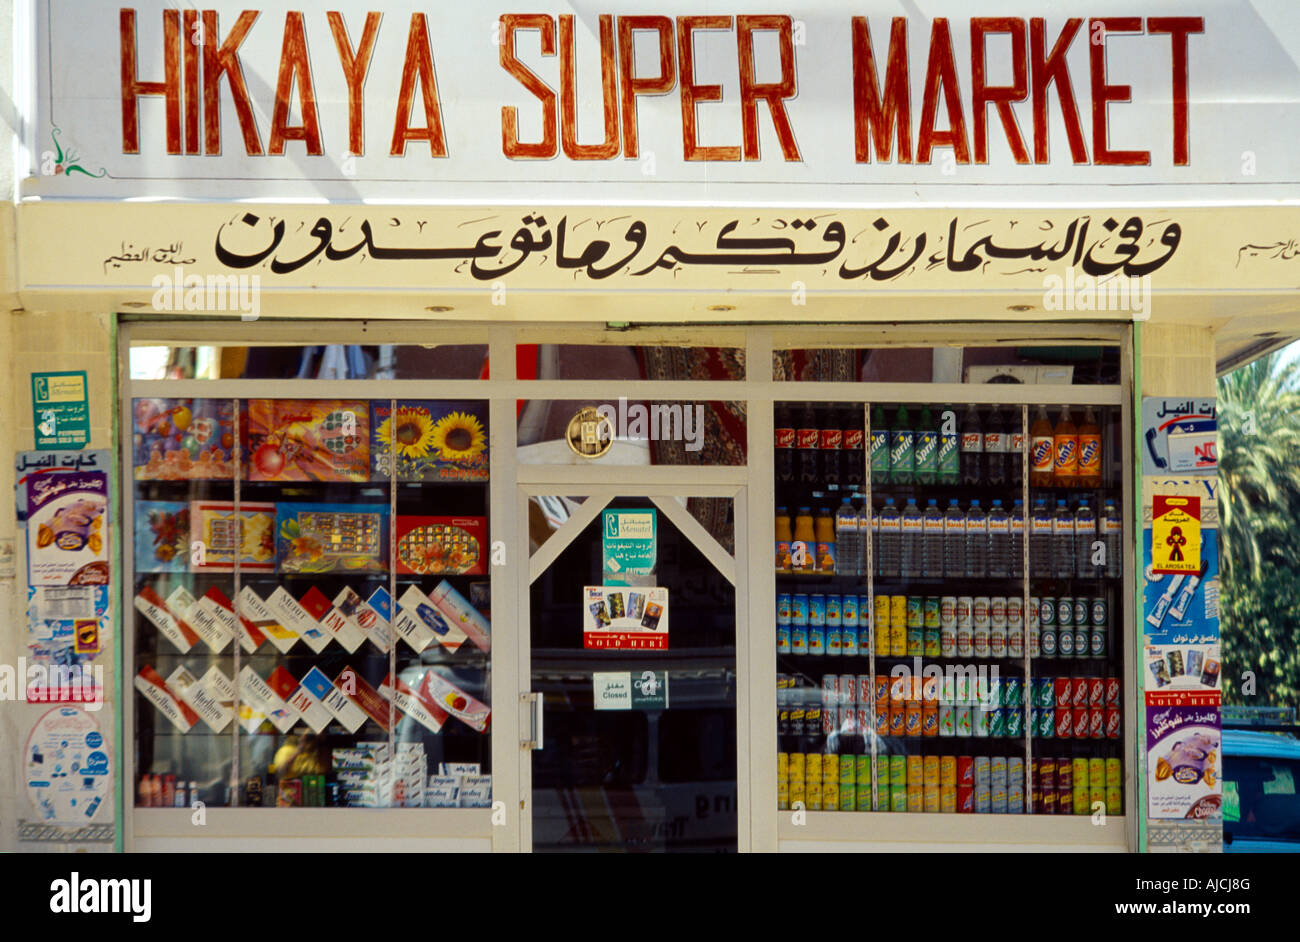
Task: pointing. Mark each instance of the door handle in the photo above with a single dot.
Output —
(536, 702)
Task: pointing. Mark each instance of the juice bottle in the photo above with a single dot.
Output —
(825, 534)
(1042, 450)
(1065, 442)
(784, 537)
(804, 548)
(1089, 451)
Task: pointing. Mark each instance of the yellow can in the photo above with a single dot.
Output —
(915, 799)
(930, 771)
(1096, 796)
(883, 617)
(795, 771)
(848, 775)
(1081, 800)
(915, 771)
(948, 771)
(897, 641)
(782, 766)
(947, 799)
(898, 610)
(930, 799)
(898, 771)
(897, 798)
(782, 795)
(1079, 768)
(813, 796)
(798, 793)
(864, 797)
(1114, 774)
(1096, 773)
(812, 765)
(848, 798)
(1114, 801)
(831, 796)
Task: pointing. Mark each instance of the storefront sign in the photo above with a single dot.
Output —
(625, 618)
(1179, 435)
(628, 543)
(60, 410)
(1175, 535)
(625, 690)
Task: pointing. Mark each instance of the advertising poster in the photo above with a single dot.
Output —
(628, 545)
(67, 529)
(1179, 436)
(60, 410)
(1182, 667)
(1175, 535)
(1184, 753)
(625, 618)
(66, 774)
(1181, 608)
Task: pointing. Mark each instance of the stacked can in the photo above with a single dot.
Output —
(915, 626)
(883, 620)
(1114, 787)
(983, 785)
(782, 781)
(866, 613)
(947, 784)
(898, 784)
(862, 775)
(848, 783)
(1079, 770)
(1013, 707)
(783, 606)
(948, 626)
(1033, 635)
(947, 708)
(932, 644)
(813, 781)
(817, 624)
(1098, 619)
(998, 784)
(980, 625)
(1096, 783)
(1015, 785)
(834, 627)
(1042, 786)
(1047, 626)
(799, 623)
(930, 785)
(1082, 629)
(849, 625)
(1064, 606)
(998, 626)
(1015, 626)
(965, 770)
(797, 778)
(965, 626)
(1113, 720)
(897, 626)
(830, 782)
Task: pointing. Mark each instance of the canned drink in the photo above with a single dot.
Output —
(1079, 722)
(930, 611)
(1096, 796)
(1079, 769)
(947, 770)
(932, 642)
(965, 768)
(1064, 641)
(882, 717)
(1047, 612)
(980, 639)
(847, 771)
(1013, 691)
(830, 688)
(898, 798)
(864, 798)
(979, 719)
(1064, 687)
(1097, 642)
(1114, 801)
(948, 611)
(1096, 773)
(833, 611)
(798, 793)
(1047, 723)
(798, 639)
(816, 639)
(929, 719)
(848, 797)
(1015, 629)
(930, 771)
(1098, 613)
(1081, 639)
(847, 687)
(1044, 696)
(1013, 722)
(812, 717)
(915, 642)
(997, 641)
(849, 611)
(783, 639)
(830, 718)
(1015, 610)
(982, 770)
(881, 688)
(795, 765)
(998, 769)
(930, 799)
(1047, 774)
(1114, 723)
(783, 608)
(1015, 771)
(863, 718)
(861, 687)
(865, 608)
(1064, 723)
(947, 719)
(948, 640)
(1082, 607)
(816, 610)
(898, 770)
(1015, 801)
(965, 799)
(1065, 612)
(1096, 692)
(965, 721)
(965, 641)
(897, 646)
(1114, 773)
(1081, 801)
(965, 611)
(915, 611)
(884, 609)
(1112, 692)
(998, 801)
(915, 770)
(1079, 692)
(983, 799)
(997, 721)
(997, 608)
(947, 799)
(1047, 639)
(1049, 801)
(849, 641)
(799, 609)
(812, 766)
(830, 767)
(897, 719)
(782, 765)
(834, 642)
(861, 769)
(1035, 719)
(930, 689)
(915, 798)
(912, 719)
(829, 799)
(782, 795)
(980, 605)
(1064, 774)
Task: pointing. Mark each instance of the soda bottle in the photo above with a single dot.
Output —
(807, 441)
(1089, 450)
(804, 548)
(999, 526)
(891, 526)
(875, 535)
(1112, 533)
(972, 447)
(995, 455)
(954, 541)
(927, 448)
(932, 562)
(1065, 444)
(879, 447)
(848, 541)
(902, 452)
(1016, 567)
(910, 543)
(825, 531)
(1042, 450)
(1040, 541)
(830, 439)
(949, 451)
(1015, 447)
(784, 444)
(1085, 534)
(784, 537)
(1062, 542)
(852, 469)
(977, 542)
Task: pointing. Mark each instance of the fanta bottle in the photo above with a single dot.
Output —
(784, 537)
(1042, 450)
(1089, 451)
(825, 532)
(1065, 440)
(803, 551)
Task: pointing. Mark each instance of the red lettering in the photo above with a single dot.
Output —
(568, 90)
(692, 93)
(133, 88)
(1103, 93)
(355, 66)
(1001, 96)
(511, 146)
(876, 115)
(190, 56)
(295, 69)
(941, 75)
(631, 86)
(774, 93)
(223, 60)
(418, 68)
(1044, 71)
(1178, 28)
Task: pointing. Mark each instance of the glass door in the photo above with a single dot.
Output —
(632, 631)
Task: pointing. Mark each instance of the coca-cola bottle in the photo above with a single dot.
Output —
(972, 447)
(807, 436)
(853, 457)
(830, 441)
(995, 455)
(1015, 447)
(784, 446)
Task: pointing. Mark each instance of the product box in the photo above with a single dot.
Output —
(443, 791)
(183, 439)
(458, 612)
(307, 439)
(429, 440)
(332, 537)
(476, 791)
(162, 536)
(442, 545)
(213, 526)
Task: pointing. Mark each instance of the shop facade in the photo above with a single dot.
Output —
(451, 524)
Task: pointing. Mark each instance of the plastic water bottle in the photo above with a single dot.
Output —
(1085, 533)
(932, 541)
(891, 526)
(1112, 533)
(977, 542)
(910, 545)
(954, 541)
(1017, 524)
(848, 542)
(999, 524)
(1040, 540)
(1062, 542)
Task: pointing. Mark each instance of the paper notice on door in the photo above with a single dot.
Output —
(294, 617)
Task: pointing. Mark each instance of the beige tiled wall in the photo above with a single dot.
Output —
(1177, 360)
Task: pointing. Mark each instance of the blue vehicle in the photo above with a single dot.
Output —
(1261, 803)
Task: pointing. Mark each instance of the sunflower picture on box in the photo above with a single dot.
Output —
(429, 440)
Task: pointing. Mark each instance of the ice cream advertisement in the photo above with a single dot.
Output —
(1184, 757)
(67, 529)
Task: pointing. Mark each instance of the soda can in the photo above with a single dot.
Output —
(1114, 723)
(848, 797)
(998, 800)
(1033, 631)
(930, 611)
(816, 610)
(997, 639)
(897, 719)
(930, 771)
(1065, 612)
(997, 720)
(965, 641)
(849, 611)
(1013, 722)
(1049, 801)
(931, 642)
(930, 799)
(798, 639)
(898, 798)
(1044, 695)
(980, 610)
(880, 687)
(1064, 774)
(1047, 723)
(1047, 774)
(1064, 641)
(830, 797)
(1082, 607)
(948, 770)
(965, 611)
(1081, 801)
(1064, 723)
(930, 689)
(982, 770)
(1098, 613)
(979, 722)
(863, 718)
(783, 608)
(1096, 691)
(1114, 801)
(1064, 692)
(1079, 773)
(915, 611)
(912, 718)
(885, 612)
(1047, 612)
(882, 716)
(1015, 632)
(965, 766)
(965, 799)
(929, 718)
(834, 642)
(795, 765)
(980, 639)
(847, 689)
(816, 639)
(1047, 641)
(865, 608)
(915, 642)
(1015, 801)
(915, 769)
(862, 769)
(1079, 692)
(1114, 773)
(782, 795)
(812, 717)
(812, 766)
(1013, 691)
(1096, 772)
(947, 719)
(1035, 719)
(833, 611)
(948, 611)
(864, 797)
(799, 609)
(965, 722)
(897, 767)
(847, 771)
(897, 646)
(1079, 722)
(1112, 692)
(1015, 610)
(998, 769)
(831, 718)
(1096, 796)
(849, 642)
(947, 799)
(1097, 642)
(915, 798)
(1015, 771)
(830, 767)
(783, 639)
(860, 688)
(997, 608)
(1081, 640)
(948, 641)
(983, 799)
(830, 688)
(798, 793)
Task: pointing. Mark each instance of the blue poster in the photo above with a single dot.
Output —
(1183, 608)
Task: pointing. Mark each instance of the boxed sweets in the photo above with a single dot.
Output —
(307, 439)
(426, 440)
(183, 439)
(331, 537)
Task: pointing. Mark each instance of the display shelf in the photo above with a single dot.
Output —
(886, 831)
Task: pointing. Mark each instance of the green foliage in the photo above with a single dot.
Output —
(1259, 520)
